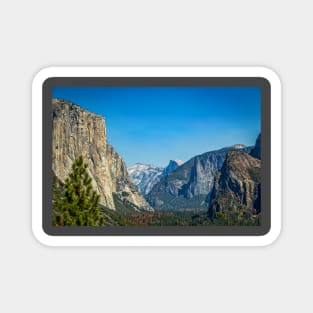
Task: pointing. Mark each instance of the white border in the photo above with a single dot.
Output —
(276, 140)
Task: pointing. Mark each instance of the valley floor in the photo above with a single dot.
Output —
(178, 218)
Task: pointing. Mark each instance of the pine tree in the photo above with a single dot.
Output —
(75, 203)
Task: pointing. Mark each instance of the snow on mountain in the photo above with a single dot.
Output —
(179, 162)
(146, 176)
(238, 146)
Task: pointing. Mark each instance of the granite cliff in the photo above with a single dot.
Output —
(76, 132)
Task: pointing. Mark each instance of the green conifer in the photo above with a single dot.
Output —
(75, 203)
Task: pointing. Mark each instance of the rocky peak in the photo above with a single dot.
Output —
(172, 165)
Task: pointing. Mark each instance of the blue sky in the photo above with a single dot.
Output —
(152, 125)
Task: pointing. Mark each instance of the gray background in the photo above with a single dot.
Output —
(35, 34)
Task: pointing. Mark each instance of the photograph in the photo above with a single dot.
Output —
(156, 156)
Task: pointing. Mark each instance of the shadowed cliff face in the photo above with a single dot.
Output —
(256, 151)
(79, 132)
(237, 185)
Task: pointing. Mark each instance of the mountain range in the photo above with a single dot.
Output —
(190, 185)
